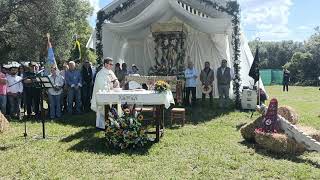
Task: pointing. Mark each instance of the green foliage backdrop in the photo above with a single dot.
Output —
(24, 23)
(302, 59)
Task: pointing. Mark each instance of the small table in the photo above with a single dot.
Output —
(142, 97)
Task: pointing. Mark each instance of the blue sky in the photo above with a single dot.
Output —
(269, 19)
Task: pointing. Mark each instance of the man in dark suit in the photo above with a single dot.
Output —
(286, 79)
(31, 91)
(207, 78)
(224, 77)
(87, 83)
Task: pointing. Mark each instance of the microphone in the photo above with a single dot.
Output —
(28, 77)
(40, 71)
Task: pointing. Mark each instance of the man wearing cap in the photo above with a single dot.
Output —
(14, 91)
(32, 93)
(224, 77)
(105, 79)
(87, 82)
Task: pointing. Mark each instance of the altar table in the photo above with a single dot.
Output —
(139, 97)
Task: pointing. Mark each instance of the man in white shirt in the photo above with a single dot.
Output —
(105, 79)
(14, 92)
(57, 81)
(191, 76)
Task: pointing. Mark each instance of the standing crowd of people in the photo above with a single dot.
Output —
(71, 92)
(73, 86)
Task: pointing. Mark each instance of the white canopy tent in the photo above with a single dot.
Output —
(128, 37)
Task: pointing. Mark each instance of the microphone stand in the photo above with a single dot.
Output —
(25, 120)
(25, 134)
(28, 77)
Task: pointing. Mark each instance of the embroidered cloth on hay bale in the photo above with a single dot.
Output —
(276, 140)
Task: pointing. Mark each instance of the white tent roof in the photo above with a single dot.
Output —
(127, 37)
(164, 10)
(140, 5)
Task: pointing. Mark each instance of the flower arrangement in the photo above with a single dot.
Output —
(126, 131)
(161, 86)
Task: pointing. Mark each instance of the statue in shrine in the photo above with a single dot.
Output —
(164, 59)
(169, 41)
(172, 55)
(158, 53)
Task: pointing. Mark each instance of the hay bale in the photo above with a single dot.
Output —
(247, 131)
(279, 143)
(4, 123)
(289, 114)
(314, 133)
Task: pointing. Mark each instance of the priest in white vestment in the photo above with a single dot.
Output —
(105, 80)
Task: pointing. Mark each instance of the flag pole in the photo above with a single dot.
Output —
(259, 100)
(255, 74)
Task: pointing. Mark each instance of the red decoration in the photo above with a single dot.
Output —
(270, 122)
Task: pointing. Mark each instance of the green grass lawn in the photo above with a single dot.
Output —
(208, 147)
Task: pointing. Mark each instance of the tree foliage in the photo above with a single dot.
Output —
(302, 59)
(299, 66)
(24, 23)
(273, 55)
(306, 66)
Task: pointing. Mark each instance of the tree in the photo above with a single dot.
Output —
(299, 66)
(313, 46)
(302, 59)
(24, 24)
(273, 55)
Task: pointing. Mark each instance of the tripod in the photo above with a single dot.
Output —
(44, 83)
(25, 120)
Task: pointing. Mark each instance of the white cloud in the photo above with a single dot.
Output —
(303, 27)
(268, 18)
(96, 5)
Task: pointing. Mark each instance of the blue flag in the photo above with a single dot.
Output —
(50, 59)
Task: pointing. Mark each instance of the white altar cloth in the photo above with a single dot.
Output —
(139, 97)
(135, 97)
